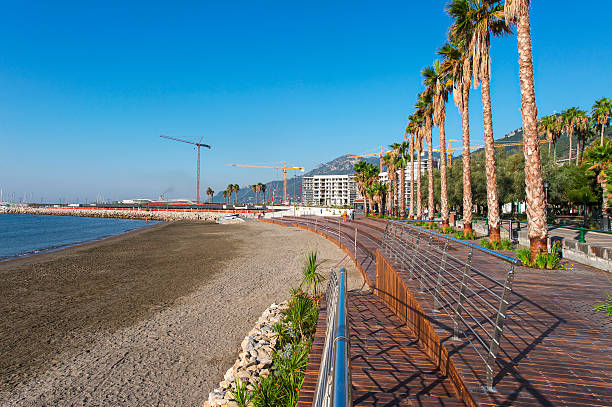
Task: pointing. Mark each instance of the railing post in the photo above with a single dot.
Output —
(499, 327)
(581, 238)
(414, 253)
(422, 280)
(438, 283)
(462, 291)
(355, 242)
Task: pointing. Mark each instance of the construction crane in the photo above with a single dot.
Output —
(283, 167)
(380, 156)
(198, 144)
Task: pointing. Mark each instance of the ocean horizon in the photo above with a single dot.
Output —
(23, 235)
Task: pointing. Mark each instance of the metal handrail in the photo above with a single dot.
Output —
(509, 259)
(466, 294)
(334, 383)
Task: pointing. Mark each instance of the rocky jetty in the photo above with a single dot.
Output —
(122, 214)
(254, 360)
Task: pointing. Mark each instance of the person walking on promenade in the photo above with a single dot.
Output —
(344, 217)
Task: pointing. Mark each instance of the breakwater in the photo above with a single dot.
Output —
(160, 215)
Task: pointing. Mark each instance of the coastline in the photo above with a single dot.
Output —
(59, 248)
(151, 317)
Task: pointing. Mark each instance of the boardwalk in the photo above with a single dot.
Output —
(554, 351)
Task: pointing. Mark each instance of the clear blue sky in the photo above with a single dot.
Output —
(86, 88)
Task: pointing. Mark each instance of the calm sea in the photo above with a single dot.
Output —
(23, 235)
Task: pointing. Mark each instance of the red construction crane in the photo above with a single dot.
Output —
(198, 144)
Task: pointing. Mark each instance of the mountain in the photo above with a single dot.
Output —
(344, 165)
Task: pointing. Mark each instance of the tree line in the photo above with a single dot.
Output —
(465, 61)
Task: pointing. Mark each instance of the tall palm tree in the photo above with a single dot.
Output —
(569, 122)
(392, 170)
(210, 193)
(254, 189)
(475, 21)
(401, 164)
(418, 145)
(582, 127)
(601, 112)
(262, 190)
(389, 162)
(365, 174)
(438, 81)
(230, 191)
(411, 129)
(225, 195)
(601, 159)
(546, 126)
(236, 188)
(517, 11)
(425, 104)
(457, 64)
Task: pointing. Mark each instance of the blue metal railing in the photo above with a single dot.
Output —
(334, 384)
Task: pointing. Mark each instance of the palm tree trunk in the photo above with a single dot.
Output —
(602, 133)
(536, 209)
(419, 205)
(492, 199)
(569, 158)
(430, 186)
(578, 148)
(443, 186)
(411, 214)
(555, 152)
(605, 193)
(402, 205)
(467, 172)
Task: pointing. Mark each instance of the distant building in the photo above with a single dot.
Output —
(328, 190)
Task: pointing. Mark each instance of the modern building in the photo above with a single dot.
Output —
(328, 190)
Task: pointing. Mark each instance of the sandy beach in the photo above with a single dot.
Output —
(152, 317)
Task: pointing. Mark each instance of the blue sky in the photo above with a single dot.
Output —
(86, 88)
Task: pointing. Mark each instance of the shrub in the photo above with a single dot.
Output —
(449, 230)
(268, 393)
(241, 394)
(606, 307)
(524, 255)
(302, 314)
(504, 244)
(465, 236)
(312, 277)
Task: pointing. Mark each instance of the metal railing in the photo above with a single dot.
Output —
(334, 384)
(474, 302)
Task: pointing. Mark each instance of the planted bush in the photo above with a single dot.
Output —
(465, 236)
(549, 261)
(504, 244)
(312, 278)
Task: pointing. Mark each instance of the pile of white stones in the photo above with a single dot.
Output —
(255, 359)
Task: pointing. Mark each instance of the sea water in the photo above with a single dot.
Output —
(23, 235)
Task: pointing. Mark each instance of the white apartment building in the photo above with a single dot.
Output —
(327, 190)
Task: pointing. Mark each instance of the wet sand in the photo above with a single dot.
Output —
(153, 317)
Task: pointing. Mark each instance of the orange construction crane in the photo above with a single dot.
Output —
(380, 156)
(284, 168)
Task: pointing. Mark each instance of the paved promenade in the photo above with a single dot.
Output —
(554, 350)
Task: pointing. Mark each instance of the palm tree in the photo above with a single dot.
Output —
(517, 11)
(582, 130)
(457, 64)
(438, 81)
(425, 105)
(262, 190)
(389, 162)
(254, 189)
(418, 145)
(475, 21)
(601, 159)
(365, 175)
(225, 195)
(569, 121)
(210, 193)
(230, 191)
(601, 112)
(411, 129)
(546, 126)
(236, 188)
(401, 164)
